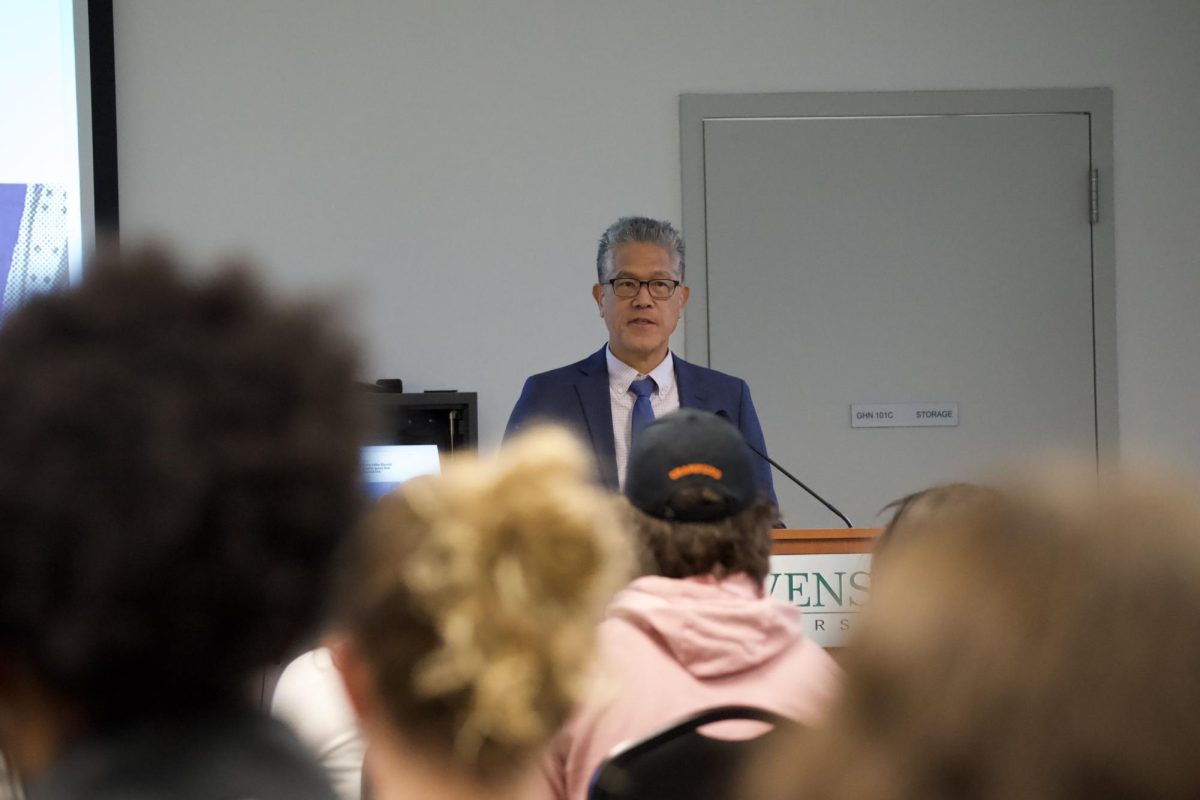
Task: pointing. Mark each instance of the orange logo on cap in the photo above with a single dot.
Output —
(684, 470)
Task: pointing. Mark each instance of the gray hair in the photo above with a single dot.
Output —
(638, 229)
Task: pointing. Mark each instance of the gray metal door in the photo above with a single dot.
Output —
(901, 259)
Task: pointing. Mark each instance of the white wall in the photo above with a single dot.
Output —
(447, 166)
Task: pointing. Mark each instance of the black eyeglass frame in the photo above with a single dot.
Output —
(649, 287)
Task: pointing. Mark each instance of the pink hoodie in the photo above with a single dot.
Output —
(669, 648)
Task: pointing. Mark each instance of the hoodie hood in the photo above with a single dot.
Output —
(712, 627)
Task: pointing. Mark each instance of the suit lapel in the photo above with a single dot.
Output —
(693, 391)
(592, 388)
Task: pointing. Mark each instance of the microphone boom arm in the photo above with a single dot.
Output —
(725, 415)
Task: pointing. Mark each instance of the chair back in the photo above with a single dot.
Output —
(681, 762)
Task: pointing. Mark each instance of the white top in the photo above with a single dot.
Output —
(310, 698)
(664, 399)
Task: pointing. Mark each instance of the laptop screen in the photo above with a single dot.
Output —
(384, 467)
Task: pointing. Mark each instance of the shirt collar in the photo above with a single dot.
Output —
(620, 374)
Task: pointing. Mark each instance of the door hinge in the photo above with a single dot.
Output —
(1094, 196)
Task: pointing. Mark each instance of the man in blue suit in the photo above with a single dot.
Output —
(608, 396)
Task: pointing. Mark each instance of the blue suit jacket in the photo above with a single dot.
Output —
(577, 396)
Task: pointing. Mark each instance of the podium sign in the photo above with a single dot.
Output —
(829, 588)
(826, 574)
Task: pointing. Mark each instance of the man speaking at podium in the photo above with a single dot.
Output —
(610, 396)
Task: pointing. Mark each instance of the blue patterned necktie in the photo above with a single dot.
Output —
(643, 412)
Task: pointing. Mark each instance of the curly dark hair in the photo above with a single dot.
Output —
(741, 543)
(178, 463)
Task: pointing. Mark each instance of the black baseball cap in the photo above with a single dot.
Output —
(690, 466)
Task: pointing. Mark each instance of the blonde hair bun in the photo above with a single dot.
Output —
(510, 560)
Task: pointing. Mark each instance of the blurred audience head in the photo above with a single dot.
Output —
(912, 513)
(1042, 643)
(469, 610)
(178, 462)
(696, 509)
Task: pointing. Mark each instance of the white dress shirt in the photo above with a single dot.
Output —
(664, 399)
(310, 698)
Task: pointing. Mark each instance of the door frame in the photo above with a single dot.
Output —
(1095, 103)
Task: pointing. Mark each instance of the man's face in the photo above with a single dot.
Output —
(639, 327)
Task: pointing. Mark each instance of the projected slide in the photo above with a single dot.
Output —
(385, 467)
(41, 245)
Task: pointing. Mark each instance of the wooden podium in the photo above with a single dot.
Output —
(816, 541)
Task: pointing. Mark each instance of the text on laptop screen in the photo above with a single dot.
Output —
(384, 467)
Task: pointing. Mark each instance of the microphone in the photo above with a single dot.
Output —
(725, 415)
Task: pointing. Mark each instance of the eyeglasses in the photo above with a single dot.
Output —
(660, 288)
